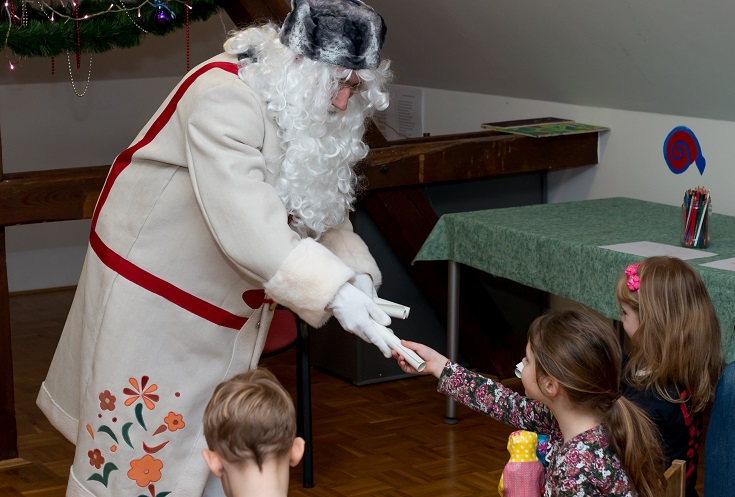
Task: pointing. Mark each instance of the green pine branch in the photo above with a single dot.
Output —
(42, 38)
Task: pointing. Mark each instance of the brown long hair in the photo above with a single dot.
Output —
(582, 353)
(678, 341)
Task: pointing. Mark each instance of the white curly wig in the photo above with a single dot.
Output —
(321, 144)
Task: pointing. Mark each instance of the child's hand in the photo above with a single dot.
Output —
(434, 360)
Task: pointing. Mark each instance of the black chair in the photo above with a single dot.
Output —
(285, 330)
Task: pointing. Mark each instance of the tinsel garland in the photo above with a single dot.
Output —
(37, 35)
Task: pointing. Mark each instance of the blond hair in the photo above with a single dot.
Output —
(677, 343)
(582, 353)
(250, 417)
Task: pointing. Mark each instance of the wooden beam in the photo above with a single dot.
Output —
(66, 194)
(8, 429)
(475, 156)
(56, 195)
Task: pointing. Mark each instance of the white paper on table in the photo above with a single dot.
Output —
(394, 343)
(392, 309)
(649, 249)
(726, 264)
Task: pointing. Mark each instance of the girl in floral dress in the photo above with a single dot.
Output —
(675, 357)
(600, 444)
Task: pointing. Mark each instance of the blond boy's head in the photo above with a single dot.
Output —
(250, 418)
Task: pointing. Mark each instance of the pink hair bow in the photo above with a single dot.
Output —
(634, 281)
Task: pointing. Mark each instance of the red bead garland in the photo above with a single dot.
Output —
(188, 61)
(79, 38)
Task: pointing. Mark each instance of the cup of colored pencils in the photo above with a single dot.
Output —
(696, 211)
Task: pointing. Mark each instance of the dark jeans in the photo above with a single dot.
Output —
(719, 462)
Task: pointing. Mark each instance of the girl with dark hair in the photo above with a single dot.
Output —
(600, 443)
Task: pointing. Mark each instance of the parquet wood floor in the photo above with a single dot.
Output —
(387, 439)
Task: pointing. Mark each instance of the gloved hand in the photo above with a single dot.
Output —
(356, 312)
(364, 283)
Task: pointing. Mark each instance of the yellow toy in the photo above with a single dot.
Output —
(523, 475)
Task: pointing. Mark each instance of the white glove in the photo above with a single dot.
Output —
(364, 283)
(356, 312)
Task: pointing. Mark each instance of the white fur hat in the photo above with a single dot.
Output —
(346, 33)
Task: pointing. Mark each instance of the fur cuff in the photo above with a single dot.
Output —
(308, 280)
(349, 247)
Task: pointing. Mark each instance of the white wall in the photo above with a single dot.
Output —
(44, 125)
(632, 163)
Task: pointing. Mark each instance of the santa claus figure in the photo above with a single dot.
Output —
(234, 196)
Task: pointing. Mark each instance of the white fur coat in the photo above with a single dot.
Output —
(186, 235)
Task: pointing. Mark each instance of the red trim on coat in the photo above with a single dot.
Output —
(694, 425)
(127, 269)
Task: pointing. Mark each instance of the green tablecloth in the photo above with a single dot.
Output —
(555, 248)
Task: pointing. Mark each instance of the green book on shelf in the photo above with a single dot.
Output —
(543, 127)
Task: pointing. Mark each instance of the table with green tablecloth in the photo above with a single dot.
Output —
(556, 248)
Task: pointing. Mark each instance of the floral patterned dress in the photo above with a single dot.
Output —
(583, 466)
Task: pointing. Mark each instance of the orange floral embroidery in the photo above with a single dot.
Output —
(141, 392)
(145, 470)
(95, 458)
(107, 401)
(174, 421)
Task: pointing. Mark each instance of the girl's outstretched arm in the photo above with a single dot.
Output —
(479, 393)
(435, 362)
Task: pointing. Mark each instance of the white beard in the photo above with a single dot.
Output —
(317, 179)
(321, 145)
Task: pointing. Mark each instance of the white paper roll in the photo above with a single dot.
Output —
(392, 309)
(394, 343)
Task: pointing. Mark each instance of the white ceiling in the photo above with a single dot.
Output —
(663, 56)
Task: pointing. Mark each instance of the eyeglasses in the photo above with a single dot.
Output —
(354, 87)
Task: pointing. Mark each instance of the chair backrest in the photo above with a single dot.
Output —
(282, 332)
(676, 479)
